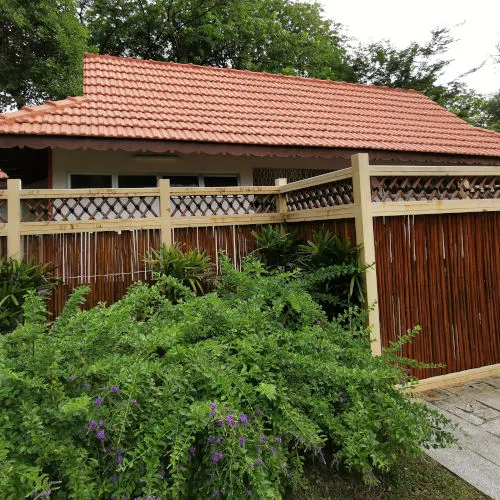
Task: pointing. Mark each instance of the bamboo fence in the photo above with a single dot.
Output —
(432, 232)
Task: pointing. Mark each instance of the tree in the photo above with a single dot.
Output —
(41, 49)
(278, 36)
(492, 108)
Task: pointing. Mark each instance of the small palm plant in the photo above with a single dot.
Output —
(193, 268)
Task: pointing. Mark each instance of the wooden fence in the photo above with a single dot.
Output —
(432, 232)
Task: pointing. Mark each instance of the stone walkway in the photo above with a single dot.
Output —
(475, 407)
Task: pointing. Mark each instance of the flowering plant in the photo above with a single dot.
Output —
(224, 394)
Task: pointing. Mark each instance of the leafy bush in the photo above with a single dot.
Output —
(16, 279)
(285, 250)
(277, 249)
(193, 269)
(224, 394)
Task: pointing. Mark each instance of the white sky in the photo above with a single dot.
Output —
(401, 21)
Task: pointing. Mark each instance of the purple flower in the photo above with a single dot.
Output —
(149, 498)
(259, 461)
(244, 418)
(217, 493)
(118, 451)
(216, 457)
(258, 412)
(210, 439)
(212, 475)
(213, 406)
(218, 441)
(133, 401)
(251, 466)
(192, 450)
(277, 440)
(71, 378)
(283, 324)
(115, 388)
(85, 386)
(180, 466)
(273, 450)
(219, 422)
(47, 493)
(260, 441)
(258, 451)
(343, 397)
(98, 401)
(92, 425)
(319, 323)
(113, 479)
(100, 424)
(242, 441)
(212, 413)
(100, 435)
(119, 459)
(230, 420)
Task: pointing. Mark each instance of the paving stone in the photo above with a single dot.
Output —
(475, 407)
(452, 408)
(478, 387)
(491, 399)
(457, 389)
(493, 381)
(436, 394)
(492, 426)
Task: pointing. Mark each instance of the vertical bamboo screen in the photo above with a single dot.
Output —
(433, 231)
(441, 272)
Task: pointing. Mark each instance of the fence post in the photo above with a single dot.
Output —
(14, 218)
(166, 226)
(281, 207)
(365, 237)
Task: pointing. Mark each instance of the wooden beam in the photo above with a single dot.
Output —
(365, 238)
(166, 226)
(337, 212)
(406, 170)
(388, 209)
(338, 175)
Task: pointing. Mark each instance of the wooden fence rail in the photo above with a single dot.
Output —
(432, 232)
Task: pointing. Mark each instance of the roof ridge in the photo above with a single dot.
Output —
(266, 74)
(26, 111)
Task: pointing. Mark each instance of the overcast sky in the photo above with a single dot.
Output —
(478, 30)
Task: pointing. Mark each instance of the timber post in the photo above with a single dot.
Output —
(166, 223)
(14, 218)
(281, 207)
(365, 237)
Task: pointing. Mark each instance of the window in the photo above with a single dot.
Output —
(183, 180)
(90, 181)
(220, 181)
(136, 181)
(203, 180)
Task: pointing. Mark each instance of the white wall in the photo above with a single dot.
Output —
(65, 162)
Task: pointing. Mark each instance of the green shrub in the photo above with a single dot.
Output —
(16, 279)
(193, 269)
(224, 394)
(287, 251)
(278, 249)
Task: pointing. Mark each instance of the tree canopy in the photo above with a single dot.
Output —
(42, 44)
(41, 47)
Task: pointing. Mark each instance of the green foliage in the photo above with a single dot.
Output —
(328, 264)
(41, 51)
(17, 278)
(192, 269)
(277, 36)
(226, 394)
(278, 249)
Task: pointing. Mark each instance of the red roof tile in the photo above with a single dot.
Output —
(129, 98)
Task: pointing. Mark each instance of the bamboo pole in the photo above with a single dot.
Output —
(365, 238)
(14, 218)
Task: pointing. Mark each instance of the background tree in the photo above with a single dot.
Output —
(41, 49)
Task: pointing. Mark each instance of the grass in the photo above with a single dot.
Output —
(420, 479)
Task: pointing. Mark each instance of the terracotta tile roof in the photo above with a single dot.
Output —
(129, 98)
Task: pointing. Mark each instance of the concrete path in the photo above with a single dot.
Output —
(475, 407)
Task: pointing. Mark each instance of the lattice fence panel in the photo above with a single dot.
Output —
(209, 205)
(332, 194)
(3, 211)
(267, 176)
(72, 209)
(419, 188)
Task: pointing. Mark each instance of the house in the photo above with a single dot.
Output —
(138, 121)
